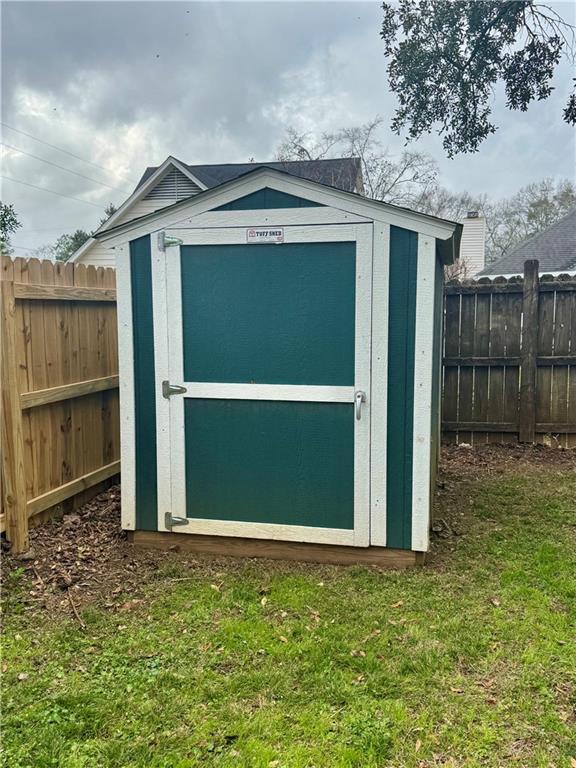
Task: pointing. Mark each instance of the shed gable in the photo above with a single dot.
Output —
(267, 198)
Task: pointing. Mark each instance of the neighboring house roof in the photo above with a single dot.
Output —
(173, 178)
(554, 247)
(447, 249)
(342, 172)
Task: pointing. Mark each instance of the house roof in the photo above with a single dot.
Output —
(342, 172)
(446, 249)
(554, 247)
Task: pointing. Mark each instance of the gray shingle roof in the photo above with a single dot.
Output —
(341, 173)
(555, 249)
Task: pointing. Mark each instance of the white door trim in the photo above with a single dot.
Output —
(169, 365)
(379, 410)
(161, 365)
(294, 392)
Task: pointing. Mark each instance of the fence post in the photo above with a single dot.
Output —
(13, 477)
(528, 352)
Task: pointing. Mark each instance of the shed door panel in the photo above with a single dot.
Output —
(271, 343)
(276, 314)
(262, 461)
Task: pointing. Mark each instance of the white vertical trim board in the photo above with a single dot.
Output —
(379, 409)
(364, 238)
(127, 400)
(175, 348)
(423, 353)
(161, 372)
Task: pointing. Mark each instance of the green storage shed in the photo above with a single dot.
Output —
(280, 371)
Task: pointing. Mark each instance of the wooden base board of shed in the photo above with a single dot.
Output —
(230, 546)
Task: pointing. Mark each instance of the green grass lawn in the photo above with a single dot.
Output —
(470, 661)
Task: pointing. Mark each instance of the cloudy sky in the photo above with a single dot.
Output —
(124, 84)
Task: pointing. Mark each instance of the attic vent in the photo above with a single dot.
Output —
(174, 186)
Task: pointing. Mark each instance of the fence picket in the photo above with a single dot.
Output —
(69, 442)
(523, 386)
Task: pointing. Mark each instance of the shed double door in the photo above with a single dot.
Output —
(270, 344)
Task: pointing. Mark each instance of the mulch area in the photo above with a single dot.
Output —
(85, 557)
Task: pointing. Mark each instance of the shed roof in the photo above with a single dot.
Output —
(448, 232)
(341, 172)
(554, 247)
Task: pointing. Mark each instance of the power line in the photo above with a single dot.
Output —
(66, 152)
(24, 247)
(52, 192)
(48, 229)
(49, 162)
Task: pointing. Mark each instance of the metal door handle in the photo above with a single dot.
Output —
(359, 398)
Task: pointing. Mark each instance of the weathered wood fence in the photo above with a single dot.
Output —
(510, 360)
(59, 381)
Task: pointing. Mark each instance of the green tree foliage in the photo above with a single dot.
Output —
(445, 60)
(108, 211)
(66, 245)
(9, 223)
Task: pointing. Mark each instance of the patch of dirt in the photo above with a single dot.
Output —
(465, 462)
(85, 557)
(462, 466)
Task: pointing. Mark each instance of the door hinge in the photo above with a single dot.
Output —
(170, 521)
(171, 389)
(164, 241)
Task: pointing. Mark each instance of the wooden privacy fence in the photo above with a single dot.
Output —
(510, 360)
(59, 378)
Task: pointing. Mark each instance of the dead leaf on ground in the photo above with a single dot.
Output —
(23, 676)
(417, 746)
(130, 605)
(398, 604)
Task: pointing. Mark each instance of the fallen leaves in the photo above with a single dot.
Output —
(129, 605)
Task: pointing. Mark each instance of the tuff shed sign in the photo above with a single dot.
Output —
(265, 235)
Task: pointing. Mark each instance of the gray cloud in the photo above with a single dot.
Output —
(125, 84)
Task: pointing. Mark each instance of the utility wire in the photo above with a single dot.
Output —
(52, 192)
(48, 229)
(62, 168)
(66, 152)
(23, 247)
